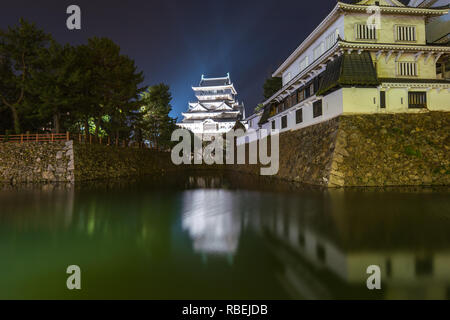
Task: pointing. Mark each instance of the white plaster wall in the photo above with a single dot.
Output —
(197, 127)
(361, 100)
(253, 122)
(294, 68)
(356, 100)
(439, 100)
(388, 22)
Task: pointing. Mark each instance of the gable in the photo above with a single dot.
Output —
(198, 107)
(224, 106)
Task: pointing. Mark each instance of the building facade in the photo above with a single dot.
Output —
(216, 109)
(364, 57)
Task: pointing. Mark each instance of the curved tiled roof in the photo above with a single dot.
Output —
(352, 69)
(214, 82)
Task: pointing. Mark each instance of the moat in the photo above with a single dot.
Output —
(230, 236)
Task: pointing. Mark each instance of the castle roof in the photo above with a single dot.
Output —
(354, 69)
(215, 82)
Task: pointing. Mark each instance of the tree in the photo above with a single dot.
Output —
(52, 85)
(114, 84)
(44, 85)
(259, 108)
(157, 126)
(19, 51)
(271, 86)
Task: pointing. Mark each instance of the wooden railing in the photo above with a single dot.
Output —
(77, 138)
(35, 137)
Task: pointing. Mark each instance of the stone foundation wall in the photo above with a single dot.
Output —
(350, 150)
(367, 150)
(69, 162)
(36, 162)
(392, 149)
(101, 162)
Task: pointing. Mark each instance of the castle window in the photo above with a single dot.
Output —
(311, 89)
(294, 100)
(330, 40)
(365, 32)
(307, 91)
(408, 69)
(287, 77)
(319, 50)
(299, 116)
(417, 99)
(304, 64)
(207, 126)
(405, 33)
(283, 122)
(301, 95)
(317, 108)
(382, 99)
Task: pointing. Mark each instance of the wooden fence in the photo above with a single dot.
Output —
(80, 138)
(35, 137)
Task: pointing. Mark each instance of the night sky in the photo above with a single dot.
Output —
(176, 41)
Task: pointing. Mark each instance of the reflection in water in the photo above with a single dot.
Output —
(213, 225)
(46, 206)
(155, 236)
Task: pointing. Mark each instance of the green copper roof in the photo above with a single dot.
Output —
(354, 69)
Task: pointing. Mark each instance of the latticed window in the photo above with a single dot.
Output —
(317, 108)
(299, 116)
(405, 33)
(311, 89)
(417, 99)
(319, 50)
(283, 122)
(301, 95)
(365, 32)
(304, 63)
(330, 40)
(408, 69)
(294, 100)
(207, 126)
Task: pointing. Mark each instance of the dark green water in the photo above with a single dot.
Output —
(234, 237)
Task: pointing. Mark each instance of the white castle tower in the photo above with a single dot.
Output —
(216, 110)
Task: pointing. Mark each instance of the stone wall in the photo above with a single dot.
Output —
(388, 149)
(349, 150)
(367, 150)
(100, 162)
(68, 162)
(36, 162)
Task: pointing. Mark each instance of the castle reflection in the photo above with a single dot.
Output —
(326, 240)
(305, 243)
(213, 225)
